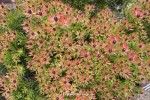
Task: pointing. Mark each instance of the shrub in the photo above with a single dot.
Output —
(51, 50)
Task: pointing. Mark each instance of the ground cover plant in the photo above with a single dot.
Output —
(74, 50)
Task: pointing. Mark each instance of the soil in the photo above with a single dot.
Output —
(144, 96)
(146, 93)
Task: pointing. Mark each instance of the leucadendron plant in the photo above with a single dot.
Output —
(58, 52)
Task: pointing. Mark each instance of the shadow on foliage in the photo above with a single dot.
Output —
(115, 5)
(3, 70)
(147, 29)
(27, 88)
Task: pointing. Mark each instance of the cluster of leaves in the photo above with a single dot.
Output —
(53, 51)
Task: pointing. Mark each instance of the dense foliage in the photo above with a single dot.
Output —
(74, 49)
